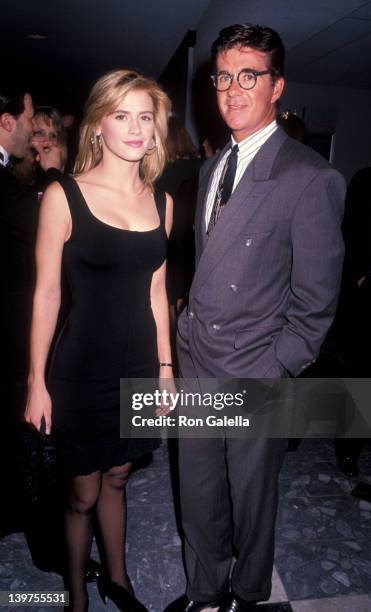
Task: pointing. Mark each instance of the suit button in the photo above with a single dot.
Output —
(190, 314)
(248, 242)
(233, 287)
(216, 326)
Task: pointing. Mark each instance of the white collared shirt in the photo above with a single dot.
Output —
(247, 149)
(4, 161)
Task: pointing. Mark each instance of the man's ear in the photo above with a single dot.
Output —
(278, 86)
(8, 122)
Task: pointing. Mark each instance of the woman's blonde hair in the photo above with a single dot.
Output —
(104, 98)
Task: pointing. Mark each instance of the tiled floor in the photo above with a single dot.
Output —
(323, 540)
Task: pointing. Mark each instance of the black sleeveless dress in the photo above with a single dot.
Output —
(110, 333)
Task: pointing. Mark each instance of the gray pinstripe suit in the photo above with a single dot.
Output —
(262, 299)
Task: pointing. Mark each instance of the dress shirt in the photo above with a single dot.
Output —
(4, 156)
(247, 149)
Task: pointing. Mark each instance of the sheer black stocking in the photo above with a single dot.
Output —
(111, 513)
(83, 496)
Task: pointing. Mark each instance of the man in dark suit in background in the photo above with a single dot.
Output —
(269, 255)
(19, 208)
(18, 225)
(18, 222)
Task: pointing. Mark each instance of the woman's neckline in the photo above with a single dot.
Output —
(115, 227)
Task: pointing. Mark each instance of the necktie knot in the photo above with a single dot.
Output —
(234, 150)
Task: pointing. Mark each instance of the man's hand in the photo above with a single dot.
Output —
(49, 155)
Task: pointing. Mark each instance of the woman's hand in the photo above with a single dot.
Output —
(166, 383)
(39, 405)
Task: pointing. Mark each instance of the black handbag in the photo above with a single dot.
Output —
(38, 467)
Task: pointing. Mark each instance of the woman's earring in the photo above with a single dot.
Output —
(92, 140)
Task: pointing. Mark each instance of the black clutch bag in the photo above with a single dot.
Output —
(38, 467)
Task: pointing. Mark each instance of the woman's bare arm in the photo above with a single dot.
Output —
(53, 230)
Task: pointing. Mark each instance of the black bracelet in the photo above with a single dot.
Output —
(169, 365)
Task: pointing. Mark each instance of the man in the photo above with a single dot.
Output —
(18, 225)
(269, 261)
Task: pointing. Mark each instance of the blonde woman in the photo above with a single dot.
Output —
(107, 227)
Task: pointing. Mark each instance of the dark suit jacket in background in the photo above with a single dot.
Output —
(18, 225)
(19, 209)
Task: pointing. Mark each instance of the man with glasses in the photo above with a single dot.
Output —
(269, 256)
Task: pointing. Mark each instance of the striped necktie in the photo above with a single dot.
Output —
(225, 186)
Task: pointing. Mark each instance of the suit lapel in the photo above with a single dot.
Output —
(253, 187)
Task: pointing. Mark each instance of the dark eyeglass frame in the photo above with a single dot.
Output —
(255, 73)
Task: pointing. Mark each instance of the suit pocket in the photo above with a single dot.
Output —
(256, 337)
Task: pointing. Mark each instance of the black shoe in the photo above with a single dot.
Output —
(236, 604)
(183, 604)
(120, 596)
(348, 465)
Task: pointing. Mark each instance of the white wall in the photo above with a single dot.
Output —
(352, 118)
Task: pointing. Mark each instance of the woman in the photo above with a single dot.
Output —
(49, 137)
(108, 229)
(49, 130)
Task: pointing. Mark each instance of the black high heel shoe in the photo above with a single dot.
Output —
(125, 601)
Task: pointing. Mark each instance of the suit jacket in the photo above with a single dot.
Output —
(18, 223)
(267, 279)
(19, 210)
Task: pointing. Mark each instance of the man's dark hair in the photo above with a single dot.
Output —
(256, 37)
(14, 105)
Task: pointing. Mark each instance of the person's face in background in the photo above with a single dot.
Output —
(45, 137)
(44, 133)
(23, 129)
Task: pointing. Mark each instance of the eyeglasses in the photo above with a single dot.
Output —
(246, 78)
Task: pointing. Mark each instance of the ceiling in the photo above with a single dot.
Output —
(338, 54)
(327, 41)
(85, 38)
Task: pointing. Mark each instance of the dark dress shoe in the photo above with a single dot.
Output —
(183, 604)
(236, 604)
(348, 465)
